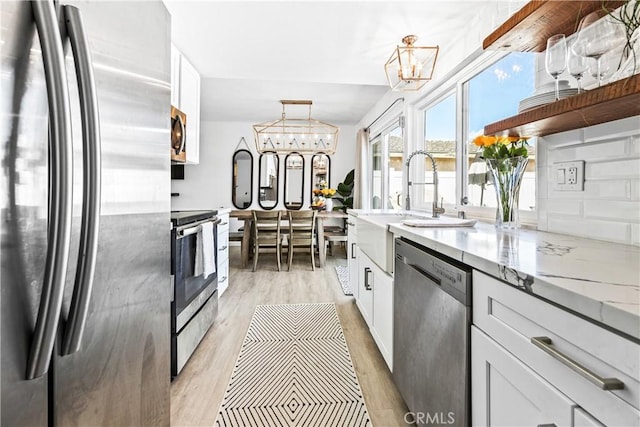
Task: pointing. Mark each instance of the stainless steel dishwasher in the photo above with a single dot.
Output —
(431, 341)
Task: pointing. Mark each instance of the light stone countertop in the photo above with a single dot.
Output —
(596, 279)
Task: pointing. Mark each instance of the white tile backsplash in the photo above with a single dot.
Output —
(595, 229)
(598, 151)
(625, 168)
(626, 211)
(609, 206)
(564, 207)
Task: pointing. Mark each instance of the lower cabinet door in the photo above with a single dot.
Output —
(352, 261)
(382, 329)
(365, 288)
(505, 392)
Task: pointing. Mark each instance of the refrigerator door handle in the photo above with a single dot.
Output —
(89, 229)
(60, 184)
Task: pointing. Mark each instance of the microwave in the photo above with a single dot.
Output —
(178, 136)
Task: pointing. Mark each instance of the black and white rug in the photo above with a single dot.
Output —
(343, 277)
(294, 369)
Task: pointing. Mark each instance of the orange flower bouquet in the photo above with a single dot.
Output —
(502, 147)
(506, 159)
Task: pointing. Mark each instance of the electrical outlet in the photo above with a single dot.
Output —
(572, 175)
(569, 176)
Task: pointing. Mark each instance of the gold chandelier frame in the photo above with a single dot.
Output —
(299, 135)
(410, 67)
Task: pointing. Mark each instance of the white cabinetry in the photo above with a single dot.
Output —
(223, 252)
(175, 76)
(569, 349)
(365, 290)
(511, 393)
(375, 301)
(185, 95)
(352, 254)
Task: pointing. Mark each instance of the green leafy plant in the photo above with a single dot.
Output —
(344, 192)
(629, 17)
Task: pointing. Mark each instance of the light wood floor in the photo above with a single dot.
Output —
(196, 394)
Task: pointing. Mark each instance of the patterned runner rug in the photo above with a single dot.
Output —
(343, 277)
(294, 369)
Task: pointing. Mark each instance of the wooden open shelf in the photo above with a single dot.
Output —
(614, 101)
(529, 28)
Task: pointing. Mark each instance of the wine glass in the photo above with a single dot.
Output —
(577, 65)
(556, 58)
(604, 69)
(598, 33)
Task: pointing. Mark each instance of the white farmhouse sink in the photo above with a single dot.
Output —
(375, 239)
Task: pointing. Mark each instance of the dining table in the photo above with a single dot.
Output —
(247, 217)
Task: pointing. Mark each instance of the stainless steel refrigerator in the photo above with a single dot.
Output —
(85, 213)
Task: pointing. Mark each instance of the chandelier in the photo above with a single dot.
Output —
(300, 135)
(411, 67)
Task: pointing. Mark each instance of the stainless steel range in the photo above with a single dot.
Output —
(195, 298)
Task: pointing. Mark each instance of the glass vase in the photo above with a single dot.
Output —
(506, 175)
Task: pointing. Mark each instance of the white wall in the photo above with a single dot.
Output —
(207, 185)
(609, 206)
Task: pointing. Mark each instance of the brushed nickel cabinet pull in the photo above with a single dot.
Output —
(545, 344)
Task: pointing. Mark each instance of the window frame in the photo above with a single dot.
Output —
(382, 132)
(458, 84)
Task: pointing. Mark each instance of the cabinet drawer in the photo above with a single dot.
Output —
(513, 317)
(507, 393)
(223, 275)
(223, 244)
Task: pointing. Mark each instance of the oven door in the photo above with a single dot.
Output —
(190, 291)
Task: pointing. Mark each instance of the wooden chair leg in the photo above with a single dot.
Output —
(290, 256)
(278, 255)
(313, 261)
(255, 258)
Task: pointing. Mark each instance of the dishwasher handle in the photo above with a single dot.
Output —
(425, 273)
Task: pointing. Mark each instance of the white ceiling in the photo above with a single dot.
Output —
(251, 54)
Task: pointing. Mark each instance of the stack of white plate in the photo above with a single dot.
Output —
(546, 94)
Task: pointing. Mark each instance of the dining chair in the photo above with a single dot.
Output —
(302, 230)
(333, 235)
(266, 234)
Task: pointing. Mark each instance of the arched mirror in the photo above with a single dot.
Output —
(320, 172)
(268, 180)
(242, 190)
(293, 181)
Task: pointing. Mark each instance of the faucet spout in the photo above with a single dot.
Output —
(436, 210)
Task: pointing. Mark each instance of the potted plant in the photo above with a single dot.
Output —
(344, 192)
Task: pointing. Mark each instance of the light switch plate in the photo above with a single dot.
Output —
(568, 176)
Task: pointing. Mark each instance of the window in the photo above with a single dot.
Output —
(494, 94)
(440, 141)
(386, 168)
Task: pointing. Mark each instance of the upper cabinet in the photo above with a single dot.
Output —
(185, 95)
(528, 30)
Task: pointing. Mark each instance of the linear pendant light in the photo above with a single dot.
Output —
(300, 135)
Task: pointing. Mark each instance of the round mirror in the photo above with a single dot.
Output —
(268, 180)
(293, 181)
(242, 190)
(320, 172)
